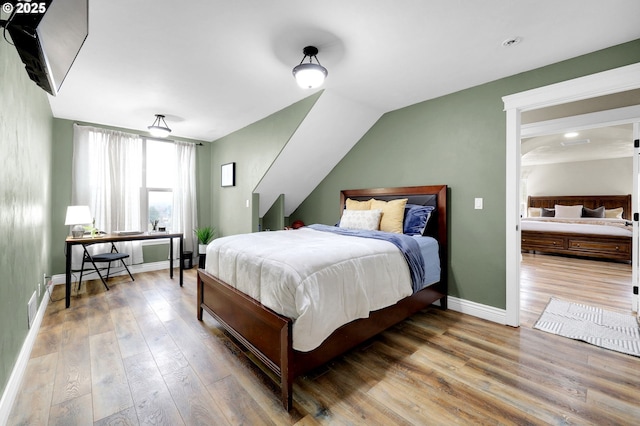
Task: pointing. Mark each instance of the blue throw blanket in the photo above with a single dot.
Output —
(407, 245)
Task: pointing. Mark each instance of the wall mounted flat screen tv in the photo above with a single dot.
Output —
(48, 36)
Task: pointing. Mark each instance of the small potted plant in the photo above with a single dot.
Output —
(205, 235)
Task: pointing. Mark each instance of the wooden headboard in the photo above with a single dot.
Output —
(588, 201)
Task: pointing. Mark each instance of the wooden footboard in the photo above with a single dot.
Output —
(268, 335)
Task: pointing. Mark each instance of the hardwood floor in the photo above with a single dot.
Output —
(137, 355)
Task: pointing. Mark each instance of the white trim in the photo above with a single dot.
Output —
(600, 84)
(15, 380)
(590, 86)
(478, 310)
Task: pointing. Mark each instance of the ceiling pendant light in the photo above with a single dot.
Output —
(159, 127)
(310, 75)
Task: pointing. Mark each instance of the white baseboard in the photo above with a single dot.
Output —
(142, 267)
(15, 380)
(486, 312)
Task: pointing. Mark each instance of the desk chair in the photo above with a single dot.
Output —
(109, 257)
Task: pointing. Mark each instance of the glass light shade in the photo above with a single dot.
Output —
(78, 216)
(159, 132)
(159, 128)
(309, 76)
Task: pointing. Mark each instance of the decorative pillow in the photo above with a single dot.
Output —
(599, 212)
(416, 219)
(614, 213)
(545, 212)
(392, 214)
(534, 212)
(361, 219)
(357, 205)
(568, 212)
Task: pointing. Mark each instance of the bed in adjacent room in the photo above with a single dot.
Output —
(298, 298)
(594, 226)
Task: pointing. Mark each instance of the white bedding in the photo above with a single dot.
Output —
(316, 278)
(580, 226)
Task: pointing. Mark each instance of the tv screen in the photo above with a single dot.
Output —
(48, 36)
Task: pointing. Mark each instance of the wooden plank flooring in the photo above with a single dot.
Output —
(138, 355)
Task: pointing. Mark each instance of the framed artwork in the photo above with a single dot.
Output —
(228, 174)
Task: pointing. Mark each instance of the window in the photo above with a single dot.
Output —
(158, 184)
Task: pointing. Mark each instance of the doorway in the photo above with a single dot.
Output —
(605, 83)
(591, 162)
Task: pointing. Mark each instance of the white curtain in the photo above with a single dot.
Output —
(107, 176)
(185, 216)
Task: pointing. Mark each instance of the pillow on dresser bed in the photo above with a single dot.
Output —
(545, 212)
(597, 213)
(568, 212)
(614, 213)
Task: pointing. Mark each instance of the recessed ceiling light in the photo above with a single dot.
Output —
(569, 135)
(511, 41)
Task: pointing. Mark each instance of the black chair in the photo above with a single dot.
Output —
(109, 257)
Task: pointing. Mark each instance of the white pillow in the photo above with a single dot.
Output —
(568, 212)
(361, 219)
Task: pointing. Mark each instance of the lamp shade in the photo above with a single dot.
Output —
(309, 75)
(78, 215)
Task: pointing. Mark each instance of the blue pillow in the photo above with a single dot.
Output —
(416, 218)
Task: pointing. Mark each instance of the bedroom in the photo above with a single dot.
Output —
(465, 133)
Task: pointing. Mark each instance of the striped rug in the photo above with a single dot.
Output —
(607, 329)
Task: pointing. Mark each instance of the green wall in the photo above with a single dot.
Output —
(61, 178)
(458, 140)
(253, 149)
(25, 182)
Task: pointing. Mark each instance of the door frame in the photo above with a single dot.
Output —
(604, 83)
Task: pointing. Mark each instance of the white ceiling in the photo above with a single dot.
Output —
(214, 66)
(603, 143)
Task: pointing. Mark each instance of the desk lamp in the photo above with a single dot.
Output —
(78, 216)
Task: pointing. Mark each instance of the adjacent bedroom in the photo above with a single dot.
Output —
(576, 212)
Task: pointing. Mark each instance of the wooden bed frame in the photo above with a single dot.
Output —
(268, 335)
(607, 247)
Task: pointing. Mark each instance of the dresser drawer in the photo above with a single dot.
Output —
(542, 242)
(613, 247)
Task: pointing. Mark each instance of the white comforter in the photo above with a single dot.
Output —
(319, 279)
(580, 226)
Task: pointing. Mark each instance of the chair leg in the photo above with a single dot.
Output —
(99, 274)
(125, 267)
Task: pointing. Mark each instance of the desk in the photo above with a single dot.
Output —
(109, 238)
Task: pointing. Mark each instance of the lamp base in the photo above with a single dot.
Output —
(77, 231)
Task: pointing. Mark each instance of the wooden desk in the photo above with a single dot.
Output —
(108, 238)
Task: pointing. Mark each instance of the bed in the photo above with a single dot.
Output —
(269, 335)
(608, 238)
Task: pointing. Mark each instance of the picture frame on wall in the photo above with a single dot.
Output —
(228, 174)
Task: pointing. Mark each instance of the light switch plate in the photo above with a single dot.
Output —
(478, 204)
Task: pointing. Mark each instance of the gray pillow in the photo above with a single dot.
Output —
(545, 212)
(599, 212)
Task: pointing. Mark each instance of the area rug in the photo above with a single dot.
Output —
(597, 326)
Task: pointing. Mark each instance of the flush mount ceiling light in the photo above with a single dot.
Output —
(310, 75)
(511, 41)
(159, 127)
(570, 135)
